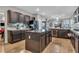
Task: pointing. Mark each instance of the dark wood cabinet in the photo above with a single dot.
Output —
(26, 19)
(48, 38)
(54, 32)
(63, 33)
(13, 17)
(60, 33)
(15, 36)
(36, 42)
(75, 41)
(76, 38)
(72, 38)
(21, 18)
(78, 18)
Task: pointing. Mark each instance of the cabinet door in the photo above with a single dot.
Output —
(21, 18)
(42, 43)
(14, 17)
(47, 39)
(16, 36)
(54, 33)
(73, 42)
(9, 37)
(50, 37)
(63, 33)
(27, 18)
(23, 35)
(32, 42)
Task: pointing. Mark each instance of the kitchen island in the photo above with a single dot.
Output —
(37, 41)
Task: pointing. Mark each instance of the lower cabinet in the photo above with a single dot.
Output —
(75, 41)
(76, 37)
(54, 32)
(15, 36)
(60, 33)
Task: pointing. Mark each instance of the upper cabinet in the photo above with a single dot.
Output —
(16, 17)
(12, 16)
(76, 15)
(27, 18)
(21, 18)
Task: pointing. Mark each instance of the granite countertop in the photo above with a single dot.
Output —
(60, 28)
(36, 31)
(15, 29)
(75, 32)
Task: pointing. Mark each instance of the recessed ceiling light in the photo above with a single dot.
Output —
(37, 9)
(75, 16)
(43, 13)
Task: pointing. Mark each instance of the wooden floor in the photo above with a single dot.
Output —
(58, 45)
(1, 43)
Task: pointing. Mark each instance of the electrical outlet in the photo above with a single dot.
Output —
(29, 36)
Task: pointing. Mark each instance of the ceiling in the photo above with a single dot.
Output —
(54, 11)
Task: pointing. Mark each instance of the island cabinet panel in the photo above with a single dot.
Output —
(36, 42)
(15, 36)
(42, 43)
(48, 38)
